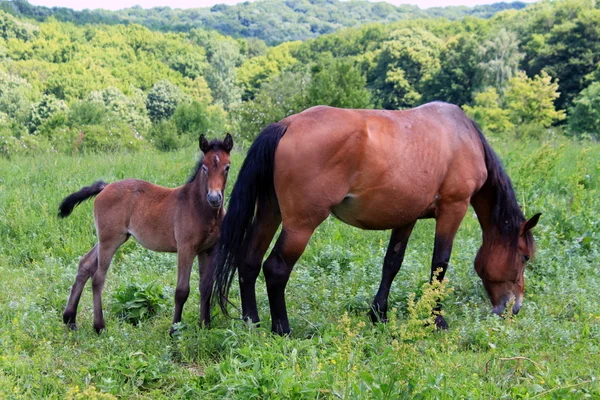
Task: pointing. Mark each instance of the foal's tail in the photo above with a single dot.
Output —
(253, 189)
(68, 204)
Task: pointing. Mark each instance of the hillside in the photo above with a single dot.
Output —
(273, 21)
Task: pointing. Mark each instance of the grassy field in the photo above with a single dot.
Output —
(550, 350)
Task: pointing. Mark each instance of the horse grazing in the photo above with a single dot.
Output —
(185, 220)
(372, 169)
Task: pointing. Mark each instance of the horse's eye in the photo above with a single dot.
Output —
(205, 169)
(525, 258)
(226, 169)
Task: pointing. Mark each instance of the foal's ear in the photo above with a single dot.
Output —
(203, 144)
(531, 222)
(228, 143)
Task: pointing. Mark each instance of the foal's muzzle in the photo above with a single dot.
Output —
(215, 199)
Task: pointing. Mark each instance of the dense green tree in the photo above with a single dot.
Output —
(407, 60)
(45, 109)
(500, 59)
(564, 40)
(338, 83)
(162, 100)
(531, 101)
(584, 115)
(454, 81)
(221, 74)
(274, 21)
(487, 111)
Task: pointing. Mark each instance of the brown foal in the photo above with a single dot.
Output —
(185, 220)
(373, 169)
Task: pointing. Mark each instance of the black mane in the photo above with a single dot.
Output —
(214, 145)
(506, 215)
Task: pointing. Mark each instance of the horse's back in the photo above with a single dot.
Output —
(139, 208)
(378, 168)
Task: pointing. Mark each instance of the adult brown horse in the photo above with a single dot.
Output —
(372, 169)
(185, 220)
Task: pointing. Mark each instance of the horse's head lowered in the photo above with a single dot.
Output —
(215, 167)
(500, 263)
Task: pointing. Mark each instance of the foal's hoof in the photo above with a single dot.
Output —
(99, 328)
(72, 326)
(440, 323)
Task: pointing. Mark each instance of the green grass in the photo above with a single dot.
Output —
(330, 354)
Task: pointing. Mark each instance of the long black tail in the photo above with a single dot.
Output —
(71, 201)
(254, 187)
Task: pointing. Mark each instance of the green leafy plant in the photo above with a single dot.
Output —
(135, 303)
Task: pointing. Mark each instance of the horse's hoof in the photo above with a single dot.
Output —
(99, 328)
(377, 317)
(72, 326)
(440, 323)
(280, 331)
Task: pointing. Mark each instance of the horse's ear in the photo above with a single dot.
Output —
(228, 143)
(203, 144)
(531, 222)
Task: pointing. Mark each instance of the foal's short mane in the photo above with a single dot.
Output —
(214, 145)
(506, 215)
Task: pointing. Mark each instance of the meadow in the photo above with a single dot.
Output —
(549, 350)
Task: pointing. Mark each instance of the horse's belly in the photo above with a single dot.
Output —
(381, 212)
(155, 241)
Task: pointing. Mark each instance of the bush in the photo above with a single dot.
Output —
(164, 136)
(87, 113)
(44, 110)
(584, 115)
(163, 99)
(488, 113)
(134, 303)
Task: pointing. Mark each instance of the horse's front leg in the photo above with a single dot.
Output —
(205, 284)
(391, 265)
(185, 260)
(447, 222)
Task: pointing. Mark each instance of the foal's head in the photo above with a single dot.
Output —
(500, 263)
(215, 168)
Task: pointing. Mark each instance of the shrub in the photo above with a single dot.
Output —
(44, 110)
(584, 115)
(134, 303)
(163, 99)
(488, 113)
(164, 136)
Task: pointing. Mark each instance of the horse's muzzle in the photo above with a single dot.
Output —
(215, 199)
(501, 308)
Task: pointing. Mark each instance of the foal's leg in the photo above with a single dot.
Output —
(185, 260)
(205, 284)
(391, 265)
(107, 247)
(262, 235)
(277, 269)
(449, 218)
(87, 267)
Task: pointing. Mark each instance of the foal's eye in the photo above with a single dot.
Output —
(226, 169)
(525, 258)
(205, 169)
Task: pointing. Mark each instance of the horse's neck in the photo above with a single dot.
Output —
(483, 203)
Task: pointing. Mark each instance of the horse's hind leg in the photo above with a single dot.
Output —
(447, 223)
(391, 265)
(107, 247)
(248, 271)
(87, 267)
(277, 269)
